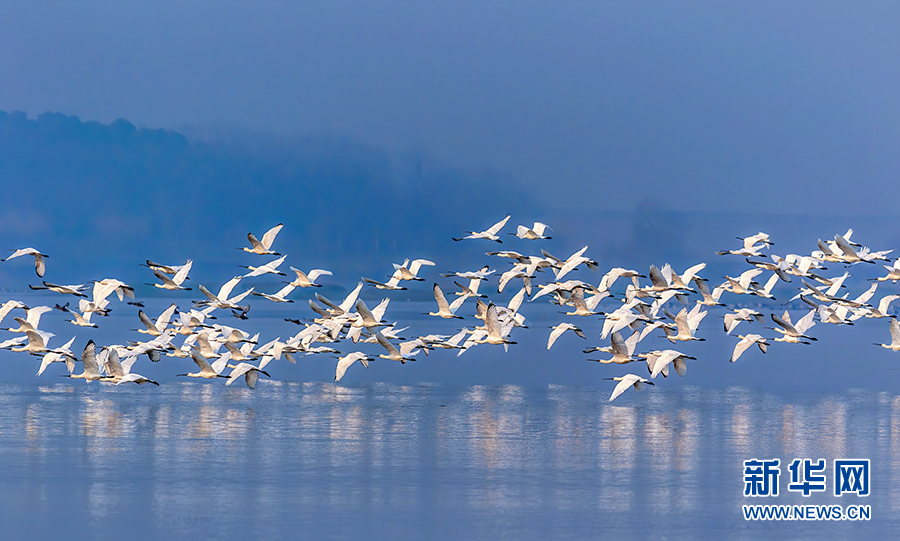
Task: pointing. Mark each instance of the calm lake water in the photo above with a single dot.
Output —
(198, 460)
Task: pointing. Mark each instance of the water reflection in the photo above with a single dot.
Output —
(297, 454)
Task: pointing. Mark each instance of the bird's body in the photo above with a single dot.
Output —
(893, 272)
(733, 319)
(37, 342)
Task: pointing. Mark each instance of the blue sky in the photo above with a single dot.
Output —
(688, 105)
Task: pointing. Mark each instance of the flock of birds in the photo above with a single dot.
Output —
(644, 306)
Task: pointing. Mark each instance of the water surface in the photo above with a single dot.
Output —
(199, 460)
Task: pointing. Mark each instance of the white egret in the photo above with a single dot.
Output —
(158, 327)
(347, 360)
(89, 362)
(207, 371)
(61, 354)
(10, 305)
(280, 296)
(222, 300)
(120, 372)
(175, 282)
(658, 362)
(489, 234)
(393, 354)
(65, 290)
(622, 350)
(392, 284)
(39, 266)
(410, 271)
(250, 373)
(535, 232)
(794, 333)
(893, 272)
(895, 336)
(746, 341)
(626, 381)
(558, 330)
(686, 324)
(37, 342)
(733, 319)
(446, 310)
(269, 268)
(308, 279)
(263, 247)
(165, 269)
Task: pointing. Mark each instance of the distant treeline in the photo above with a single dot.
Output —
(132, 191)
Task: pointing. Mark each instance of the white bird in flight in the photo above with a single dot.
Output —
(269, 268)
(64, 289)
(558, 330)
(61, 354)
(263, 247)
(895, 336)
(39, 266)
(622, 350)
(347, 360)
(222, 300)
(535, 232)
(410, 271)
(489, 234)
(250, 373)
(747, 341)
(280, 296)
(794, 333)
(207, 371)
(173, 283)
(446, 310)
(308, 279)
(89, 362)
(626, 381)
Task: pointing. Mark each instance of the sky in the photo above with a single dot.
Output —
(739, 106)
